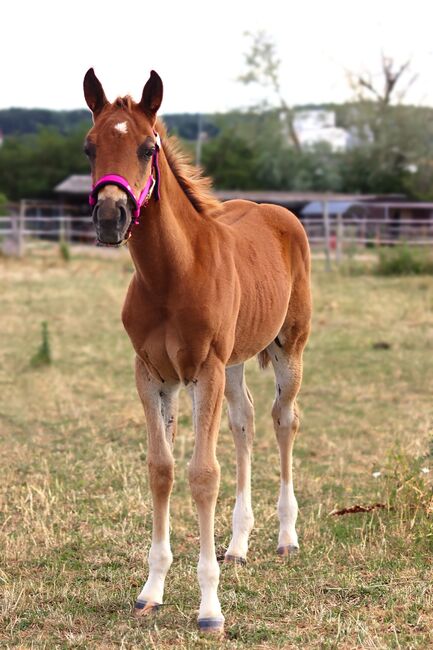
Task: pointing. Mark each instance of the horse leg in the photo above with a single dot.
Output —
(204, 474)
(160, 407)
(241, 422)
(286, 357)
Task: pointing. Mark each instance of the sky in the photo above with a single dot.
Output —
(198, 49)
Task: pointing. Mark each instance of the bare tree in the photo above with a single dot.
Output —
(262, 67)
(394, 83)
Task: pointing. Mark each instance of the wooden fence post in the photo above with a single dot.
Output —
(62, 237)
(21, 224)
(340, 238)
(327, 235)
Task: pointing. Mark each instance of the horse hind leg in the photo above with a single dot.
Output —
(286, 358)
(241, 422)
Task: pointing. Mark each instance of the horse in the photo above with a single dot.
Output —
(215, 284)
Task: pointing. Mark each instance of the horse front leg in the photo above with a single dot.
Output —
(160, 407)
(204, 475)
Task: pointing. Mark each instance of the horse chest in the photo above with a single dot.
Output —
(173, 344)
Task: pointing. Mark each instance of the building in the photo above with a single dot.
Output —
(315, 126)
(75, 190)
(366, 218)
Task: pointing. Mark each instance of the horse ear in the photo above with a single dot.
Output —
(94, 92)
(152, 94)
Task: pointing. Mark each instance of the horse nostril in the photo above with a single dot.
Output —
(122, 216)
(95, 214)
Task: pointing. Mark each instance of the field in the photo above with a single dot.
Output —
(75, 508)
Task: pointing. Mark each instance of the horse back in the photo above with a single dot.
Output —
(264, 222)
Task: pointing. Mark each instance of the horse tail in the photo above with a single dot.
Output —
(264, 359)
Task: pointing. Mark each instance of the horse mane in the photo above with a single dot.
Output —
(124, 102)
(198, 188)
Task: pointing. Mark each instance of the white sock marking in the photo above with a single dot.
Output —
(208, 573)
(243, 522)
(287, 513)
(160, 559)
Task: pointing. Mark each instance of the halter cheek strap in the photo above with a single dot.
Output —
(152, 184)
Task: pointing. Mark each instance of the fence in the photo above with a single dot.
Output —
(33, 222)
(336, 229)
(366, 225)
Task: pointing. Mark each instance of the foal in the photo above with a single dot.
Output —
(214, 285)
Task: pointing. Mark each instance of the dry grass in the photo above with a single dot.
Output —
(75, 522)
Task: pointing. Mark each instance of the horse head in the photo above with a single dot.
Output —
(122, 147)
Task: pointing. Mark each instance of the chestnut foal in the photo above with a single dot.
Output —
(214, 285)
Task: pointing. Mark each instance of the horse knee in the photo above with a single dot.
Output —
(204, 481)
(241, 421)
(286, 418)
(161, 474)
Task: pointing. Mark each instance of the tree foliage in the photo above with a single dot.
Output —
(14, 121)
(262, 67)
(391, 152)
(31, 165)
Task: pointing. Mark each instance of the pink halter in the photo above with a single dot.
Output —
(120, 181)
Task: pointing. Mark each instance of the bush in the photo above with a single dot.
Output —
(3, 204)
(43, 355)
(408, 482)
(403, 260)
(65, 251)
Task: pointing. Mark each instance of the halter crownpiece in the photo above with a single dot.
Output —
(144, 198)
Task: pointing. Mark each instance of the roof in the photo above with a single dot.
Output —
(274, 196)
(75, 184)
(80, 184)
(334, 207)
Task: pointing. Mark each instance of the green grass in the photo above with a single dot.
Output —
(75, 509)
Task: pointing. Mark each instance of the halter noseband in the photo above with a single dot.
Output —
(144, 198)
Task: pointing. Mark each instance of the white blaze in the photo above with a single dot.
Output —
(122, 127)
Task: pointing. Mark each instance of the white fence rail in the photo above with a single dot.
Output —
(32, 223)
(365, 224)
(369, 224)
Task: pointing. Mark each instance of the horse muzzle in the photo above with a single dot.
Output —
(112, 220)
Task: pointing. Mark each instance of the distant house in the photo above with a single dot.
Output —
(315, 126)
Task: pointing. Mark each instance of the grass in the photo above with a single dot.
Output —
(75, 510)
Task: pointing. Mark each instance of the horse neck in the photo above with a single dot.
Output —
(162, 246)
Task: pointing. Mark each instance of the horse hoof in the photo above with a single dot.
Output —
(235, 559)
(286, 551)
(142, 608)
(211, 625)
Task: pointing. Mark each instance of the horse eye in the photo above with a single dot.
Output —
(89, 150)
(145, 152)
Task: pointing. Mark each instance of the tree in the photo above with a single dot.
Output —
(395, 141)
(263, 68)
(394, 82)
(31, 165)
(229, 159)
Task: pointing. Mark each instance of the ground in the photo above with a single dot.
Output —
(75, 512)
